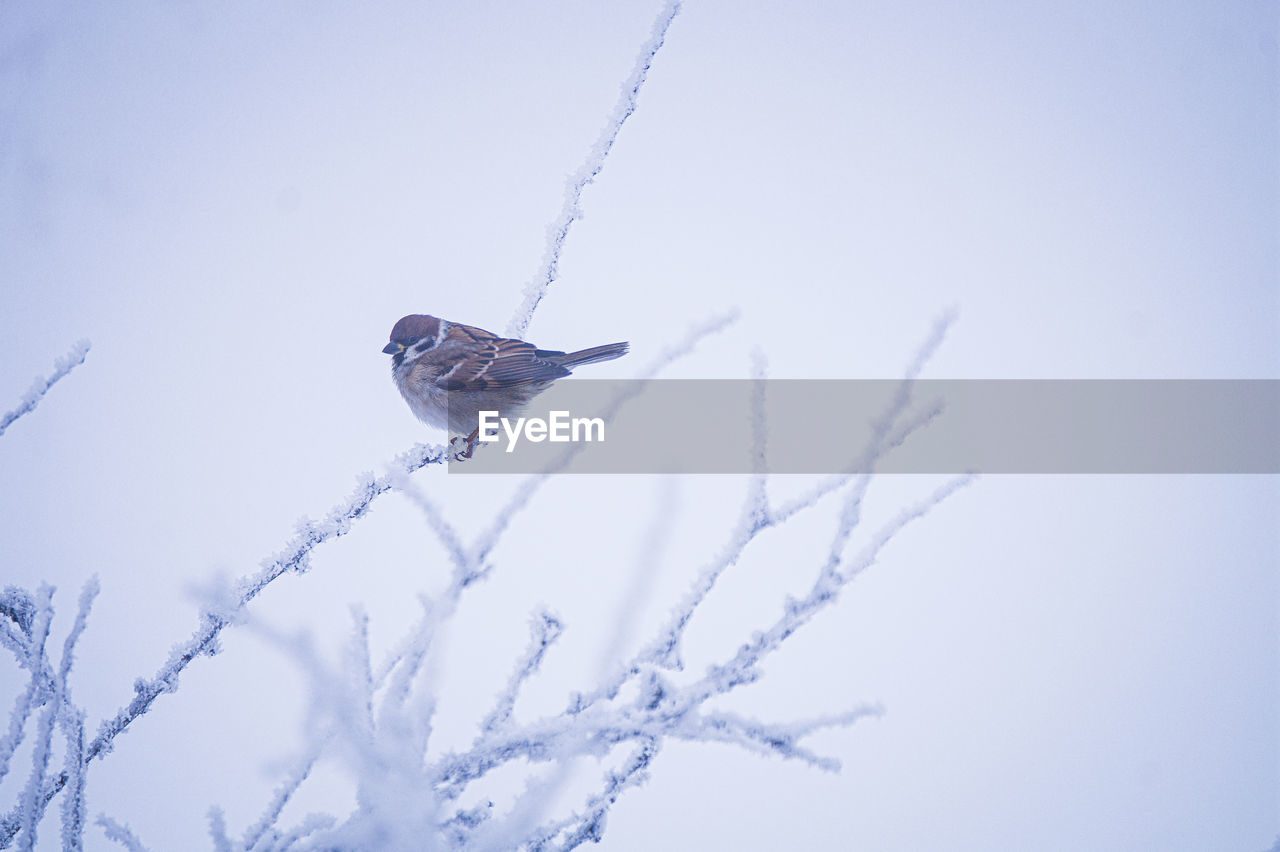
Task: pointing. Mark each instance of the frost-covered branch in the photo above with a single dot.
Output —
(382, 719)
(662, 709)
(640, 705)
(17, 722)
(73, 804)
(406, 663)
(310, 534)
(40, 386)
(558, 231)
(742, 668)
(378, 719)
(283, 793)
(72, 723)
(656, 691)
(544, 629)
(756, 514)
(588, 825)
(781, 739)
(38, 616)
(218, 830)
(295, 556)
(487, 540)
(53, 692)
(120, 833)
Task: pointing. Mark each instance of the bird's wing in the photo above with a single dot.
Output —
(497, 362)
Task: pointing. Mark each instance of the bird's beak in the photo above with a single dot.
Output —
(393, 348)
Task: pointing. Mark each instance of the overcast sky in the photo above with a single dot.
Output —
(234, 203)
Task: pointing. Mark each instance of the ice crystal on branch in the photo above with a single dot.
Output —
(571, 212)
(41, 386)
(376, 721)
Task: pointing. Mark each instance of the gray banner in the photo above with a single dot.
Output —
(813, 426)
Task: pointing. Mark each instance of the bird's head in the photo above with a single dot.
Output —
(413, 336)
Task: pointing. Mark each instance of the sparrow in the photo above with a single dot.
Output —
(449, 372)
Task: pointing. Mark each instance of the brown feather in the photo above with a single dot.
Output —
(490, 361)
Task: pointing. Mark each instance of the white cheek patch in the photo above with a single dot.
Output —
(425, 347)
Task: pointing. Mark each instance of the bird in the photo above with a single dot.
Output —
(449, 372)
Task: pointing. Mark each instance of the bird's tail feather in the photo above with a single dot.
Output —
(596, 353)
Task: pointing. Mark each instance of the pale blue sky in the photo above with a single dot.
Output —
(235, 204)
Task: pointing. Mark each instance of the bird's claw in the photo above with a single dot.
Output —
(458, 441)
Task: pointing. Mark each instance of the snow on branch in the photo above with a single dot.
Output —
(678, 707)
(37, 689)
(73, 803)
(767, 739)
(120, 833)
(378, 720)
(262, 829)
(487, 540)
(74, 358)
(71, 719)
(404, 797)
(228, 608)
(226, 611)
(544, 629)
(218, 830)
(47, 689)
(338, 522)
(756, 515)
(558, 231)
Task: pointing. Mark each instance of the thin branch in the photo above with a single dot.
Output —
(29, 814)
(72, 719)
(120, 833)
(280, 797)
(571, 211)
(488, 539)
(544, 630)
(218, 830)
(74, 358)
(73, 804)
(295, 556)
(33, 695)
